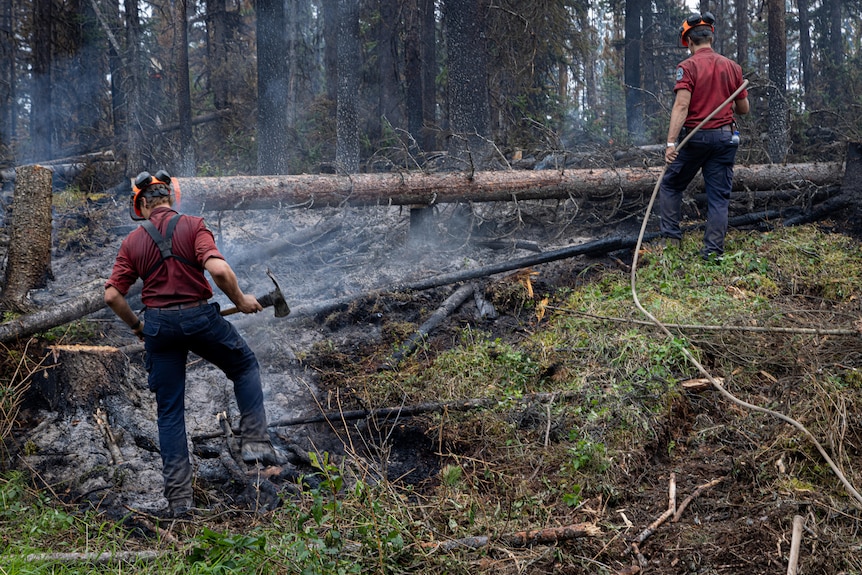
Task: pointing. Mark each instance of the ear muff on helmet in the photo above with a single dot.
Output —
(145, 184)
(696, 19)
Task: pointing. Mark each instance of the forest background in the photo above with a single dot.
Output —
(217, 87)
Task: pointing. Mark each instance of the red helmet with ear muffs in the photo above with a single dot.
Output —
(705, 19)
(146, 185)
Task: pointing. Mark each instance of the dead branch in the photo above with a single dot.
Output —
(146, 520)
(702, 327)
(795, 542)
(450, 305)
(508, 245)
(646, 533)
(110, 440)
(548, 536)
(105, 558)
(700, 489)
(592, 249)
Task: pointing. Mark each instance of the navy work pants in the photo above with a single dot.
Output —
(169, 336)
(715, 153)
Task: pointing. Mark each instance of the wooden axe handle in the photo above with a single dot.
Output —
(265, 300)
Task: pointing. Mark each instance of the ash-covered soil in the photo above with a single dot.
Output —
(339, 253)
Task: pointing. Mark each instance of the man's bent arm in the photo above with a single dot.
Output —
(677, 118)
(117, 302)
(225, 279)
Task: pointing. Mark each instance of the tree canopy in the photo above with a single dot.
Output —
(209, 87)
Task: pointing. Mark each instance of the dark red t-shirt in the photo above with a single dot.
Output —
(711, 78)
(174, 281)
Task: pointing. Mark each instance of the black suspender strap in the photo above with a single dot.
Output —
(165, 244)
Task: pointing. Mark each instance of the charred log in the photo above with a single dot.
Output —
(444, 311)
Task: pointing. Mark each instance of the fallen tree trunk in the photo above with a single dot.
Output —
(91, 300)
(421, 189)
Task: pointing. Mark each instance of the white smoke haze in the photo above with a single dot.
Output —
(373, 248)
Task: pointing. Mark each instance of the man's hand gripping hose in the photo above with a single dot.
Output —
(715, 383)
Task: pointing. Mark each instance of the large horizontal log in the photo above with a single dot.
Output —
(421, 189)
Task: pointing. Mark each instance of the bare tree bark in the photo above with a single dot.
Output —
(421, 189)
(778, 118)
(632, 70)
(186, 161)
(347, 126)
(469, 105)
(742, 24)
(429, 74)
(29, 258)
(132, 88)
(272, 151)
(41, 108)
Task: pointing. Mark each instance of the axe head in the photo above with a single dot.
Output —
(275, 299)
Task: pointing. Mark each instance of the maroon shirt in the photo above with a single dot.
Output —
(711, 78)
(173, 282)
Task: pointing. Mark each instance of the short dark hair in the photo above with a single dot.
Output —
(699, 35)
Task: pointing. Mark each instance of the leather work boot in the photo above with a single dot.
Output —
(180, 508)
(259, 452)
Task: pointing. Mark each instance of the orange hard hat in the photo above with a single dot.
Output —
(696, 19)
(144, 183)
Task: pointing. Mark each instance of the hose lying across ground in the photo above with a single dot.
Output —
(715, 383)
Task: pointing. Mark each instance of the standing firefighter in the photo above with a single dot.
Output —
(170, 252)
(703, 82)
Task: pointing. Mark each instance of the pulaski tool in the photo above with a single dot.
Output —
(273, 299)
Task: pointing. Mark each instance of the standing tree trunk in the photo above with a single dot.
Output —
(134, 88)
(113, 22)
(778, 111)
(7, 77)
(742, 24)
(413, 74)
(186, 163)
(271, 88)
(347, 125)
(330, 48)
(429, 74)
(632, 67)
(469, 106)
(86, 64)
(28, 263)
(835, 52)
(41, 109)
(388, 102)
(804, 47)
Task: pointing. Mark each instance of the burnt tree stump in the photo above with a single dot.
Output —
(28, 264)
(81, 375)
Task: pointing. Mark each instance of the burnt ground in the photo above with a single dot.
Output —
(308, 360)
